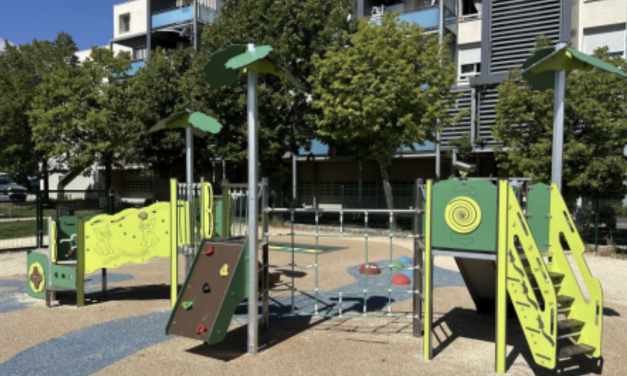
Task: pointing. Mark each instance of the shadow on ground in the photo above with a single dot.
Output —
(466, 323)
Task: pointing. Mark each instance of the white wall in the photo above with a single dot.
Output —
(137, 10)
(593, 14)
(469, 32)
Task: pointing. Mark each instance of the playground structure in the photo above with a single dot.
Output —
(81, 245)
(502, 251)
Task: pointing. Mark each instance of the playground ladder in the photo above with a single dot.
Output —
(557, 320)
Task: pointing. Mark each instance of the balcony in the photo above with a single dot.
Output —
(182, 15)
(135, 67)
(173, 17)
(426, 17)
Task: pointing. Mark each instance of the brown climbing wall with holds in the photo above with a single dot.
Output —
(208, 287)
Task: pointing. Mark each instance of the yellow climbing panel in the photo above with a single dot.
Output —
(588, 312)
(530, 287)
(131, 236)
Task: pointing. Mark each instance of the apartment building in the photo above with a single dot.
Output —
(489, 38)
(3, 43)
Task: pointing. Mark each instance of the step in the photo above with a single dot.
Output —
(523, 256)
(563, 299)
(573, 350)
(569, 328)
(556, 275)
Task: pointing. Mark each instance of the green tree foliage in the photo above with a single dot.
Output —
(296, 29)
(80, 113)
(22, 69)
(383, 87)
(595, 131)
(156, 94)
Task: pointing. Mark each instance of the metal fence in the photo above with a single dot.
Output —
(602, 222)
(23, 216)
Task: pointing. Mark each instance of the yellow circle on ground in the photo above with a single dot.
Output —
(463, 215)
(36, 277)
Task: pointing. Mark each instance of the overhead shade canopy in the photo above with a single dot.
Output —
(227, 65)
(539, 70)
(199, 122)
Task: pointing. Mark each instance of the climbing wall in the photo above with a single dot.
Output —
(216, 285)
(37, 274)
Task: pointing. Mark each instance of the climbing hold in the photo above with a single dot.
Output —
(210, 251)
(200, 329)
(206, 288)
(401, 280)
(397, 265)
(370, 268)
(224, 270)
(187, 305)
(405, 260)
(409, 273)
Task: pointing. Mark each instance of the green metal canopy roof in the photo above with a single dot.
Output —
(199, 122)
(227, 65)
(539, 70)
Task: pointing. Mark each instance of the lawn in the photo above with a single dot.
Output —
(16, 230)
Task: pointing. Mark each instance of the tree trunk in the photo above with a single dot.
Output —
(387, 188)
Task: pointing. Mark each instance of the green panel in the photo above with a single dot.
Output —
(480, 239)
(63, 276)
(236, 293)
(66, 229)
(37, 274)
(538, 208)
(218, 218)
(216, 73)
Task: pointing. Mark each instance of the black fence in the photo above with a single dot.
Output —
(23, 214)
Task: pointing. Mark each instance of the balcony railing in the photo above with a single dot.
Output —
(172, 17)
(135, 67)
(182, 15)
(427, 18)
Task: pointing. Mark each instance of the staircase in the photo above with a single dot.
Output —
(557, 320)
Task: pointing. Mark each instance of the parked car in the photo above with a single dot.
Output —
(11, 191)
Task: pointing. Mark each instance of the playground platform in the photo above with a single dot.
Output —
(124, 333)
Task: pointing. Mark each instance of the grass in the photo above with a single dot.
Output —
(17, 230)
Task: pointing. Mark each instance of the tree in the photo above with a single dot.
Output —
(384, 87)
(595, 131)
(80, 113)
(296, 29)
(156, 94)
(21, 72)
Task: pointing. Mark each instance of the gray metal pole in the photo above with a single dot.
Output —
(418, 263)
(558, 125)
(189, 167)
(253, 304)
(148, 28)
(294, 177)
(195, 25)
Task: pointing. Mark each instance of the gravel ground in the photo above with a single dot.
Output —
(123, 335)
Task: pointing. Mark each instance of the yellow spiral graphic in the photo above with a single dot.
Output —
(463, 215)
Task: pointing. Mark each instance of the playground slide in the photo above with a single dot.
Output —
(480, 278)
(215, 286)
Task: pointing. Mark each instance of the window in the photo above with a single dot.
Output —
(469, 61)
(612, 37)
(139, 53)
(471, 9)
(125, 23)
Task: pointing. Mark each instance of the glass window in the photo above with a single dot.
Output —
(125, 23)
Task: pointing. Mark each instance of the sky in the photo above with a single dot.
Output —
(89, 22)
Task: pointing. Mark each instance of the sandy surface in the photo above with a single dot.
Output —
(367, 346)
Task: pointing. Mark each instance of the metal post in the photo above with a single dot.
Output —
(437, 157)
(195, 25)
(253, 308)
(417, 328)
(361, 183)
(266, 256)
(294, 177)
(501, 277)
(558, 125)
(48, 281)
(596, 226)
(148, 28)
(189, 174)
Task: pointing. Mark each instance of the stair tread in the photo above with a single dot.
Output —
(572, 350)
(59, 289)
(556, 275)
(561, 299)
(543, 254)
(569, 324)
